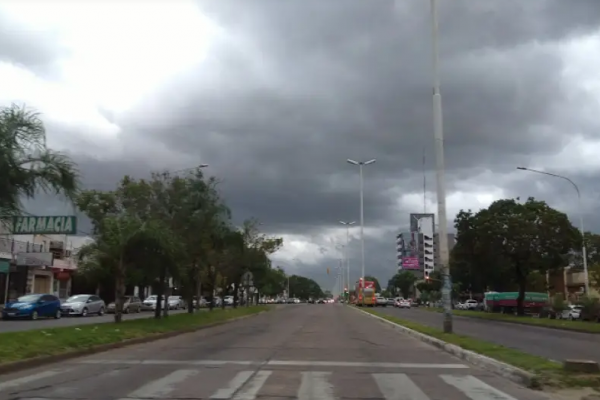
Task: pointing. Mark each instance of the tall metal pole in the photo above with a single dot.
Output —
(586, 278)
(348, 257)
(440, 174)
(362, 224)
(424, 185)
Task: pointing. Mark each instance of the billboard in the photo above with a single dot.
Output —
(410, 263)
(34, 259)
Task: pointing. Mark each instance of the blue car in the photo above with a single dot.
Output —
(33, 306)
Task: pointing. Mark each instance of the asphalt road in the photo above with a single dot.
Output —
(305, 352)
(27, 325)
(554, 344)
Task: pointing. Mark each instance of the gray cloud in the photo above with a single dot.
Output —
(292, 89)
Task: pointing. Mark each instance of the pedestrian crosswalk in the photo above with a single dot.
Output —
(129, 383)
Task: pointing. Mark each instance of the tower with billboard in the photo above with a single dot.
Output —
(422, 227)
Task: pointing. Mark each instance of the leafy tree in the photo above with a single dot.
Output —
(516, 239)
(403, 281)
(305, 288)
(27, 164)
(369, 278)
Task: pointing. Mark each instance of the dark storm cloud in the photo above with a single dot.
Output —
(296, 88)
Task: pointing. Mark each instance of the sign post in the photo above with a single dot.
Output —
(247, 282)
(44, 225)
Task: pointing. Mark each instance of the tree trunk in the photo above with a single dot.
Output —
(236, 296)
(522, 282)
(161, 292)
(119, 291)
(167, 294)
(198, 290)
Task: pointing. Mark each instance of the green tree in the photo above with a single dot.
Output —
(521, 238)
(27, 164)
(369, 278)
(305, 288)
(403, 281)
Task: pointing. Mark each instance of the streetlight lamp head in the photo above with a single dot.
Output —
(522, 168)
(203, 166)
(352, 162)
(351, 223)
(370, 162)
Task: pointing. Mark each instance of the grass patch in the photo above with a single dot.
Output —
(549, 374)
(16, 346)
(577, 326)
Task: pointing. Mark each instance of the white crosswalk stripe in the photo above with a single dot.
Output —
(219, 384)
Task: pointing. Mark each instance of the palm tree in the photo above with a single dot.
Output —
(26, 163)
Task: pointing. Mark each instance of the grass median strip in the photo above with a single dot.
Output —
(17, 346)
(577, 326)
(550, 373)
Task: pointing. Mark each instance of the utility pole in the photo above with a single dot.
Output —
(438, 128)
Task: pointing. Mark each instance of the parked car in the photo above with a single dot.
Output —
(228, 300)
(149, 303)
(572, 312)
(33, 306)
(82, 305)
(176, 303)
(130, 304)
(403, 303)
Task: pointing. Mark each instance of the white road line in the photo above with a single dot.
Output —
(364, 364)
(169, 362)
(315, 386)
(291, 363)
(234, 385)
(28, 379)
(162, 387)
(251, 389)
(398, 387)
(474, 388)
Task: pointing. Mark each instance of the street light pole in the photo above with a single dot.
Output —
(362, 216)
(583, 246)
(438, 129)
(347, 250)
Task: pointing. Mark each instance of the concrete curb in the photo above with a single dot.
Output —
(51, 359)
(508, 371)
(556, 328)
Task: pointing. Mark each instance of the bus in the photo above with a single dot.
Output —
(365, 294)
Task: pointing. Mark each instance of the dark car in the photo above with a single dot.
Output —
(33, 306)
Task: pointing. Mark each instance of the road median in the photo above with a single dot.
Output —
(560, 324)
(28, 349)
(526, 369)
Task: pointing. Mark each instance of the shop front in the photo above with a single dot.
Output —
(63, 273)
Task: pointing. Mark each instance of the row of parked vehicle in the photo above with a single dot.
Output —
(34, 306)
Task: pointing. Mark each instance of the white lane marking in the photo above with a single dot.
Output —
(365, 364)
(169, 362)
(398, 387)
(251, 389)
(164, 386)
(315, 386)
(296, 363)
(474, 388)
(234, 385)
(28, 379)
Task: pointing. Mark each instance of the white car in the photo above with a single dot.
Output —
(404, 303)
(572, 313)
(176, 303)
(228, 300)
(470, 305)
(150, 303)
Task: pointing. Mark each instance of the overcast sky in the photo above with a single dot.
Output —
(276, 95)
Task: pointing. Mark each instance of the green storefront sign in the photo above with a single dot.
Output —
(48, 225)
